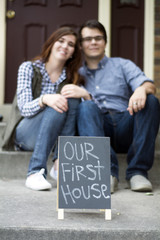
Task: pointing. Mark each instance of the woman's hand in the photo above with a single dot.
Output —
(74, 91)
(56, 101)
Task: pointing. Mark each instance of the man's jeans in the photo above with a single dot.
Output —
(134, 135)
(39, 133)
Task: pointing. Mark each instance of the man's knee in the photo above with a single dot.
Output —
(152, 102)
(151, 112)
(87, 107)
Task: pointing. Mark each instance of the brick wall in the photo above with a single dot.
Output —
(157, 48)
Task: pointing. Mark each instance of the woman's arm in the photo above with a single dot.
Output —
(27, 106)
(74, 91)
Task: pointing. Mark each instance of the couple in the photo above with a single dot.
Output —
(105, 96)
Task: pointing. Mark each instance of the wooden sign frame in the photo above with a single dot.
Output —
(84, 174)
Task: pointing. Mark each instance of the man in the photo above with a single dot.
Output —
(118, 103)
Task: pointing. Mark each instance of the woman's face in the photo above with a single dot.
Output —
(63, 48)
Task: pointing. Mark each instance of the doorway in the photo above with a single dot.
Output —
(128, 30)
(29, 24)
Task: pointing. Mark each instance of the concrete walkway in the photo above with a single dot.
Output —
(29, 215)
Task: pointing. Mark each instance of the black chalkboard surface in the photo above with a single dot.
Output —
(84, 173)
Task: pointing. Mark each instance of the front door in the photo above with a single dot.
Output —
(29, 24)
(128, 30)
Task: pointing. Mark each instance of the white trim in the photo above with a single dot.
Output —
(149, 38)
(2, 48)
(104, 16)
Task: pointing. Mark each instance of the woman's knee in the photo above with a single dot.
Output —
(73, 102)
(51, 117)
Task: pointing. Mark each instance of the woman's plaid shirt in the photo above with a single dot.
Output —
(27, 105)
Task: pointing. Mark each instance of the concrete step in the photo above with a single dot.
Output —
(4, 111)
(2, 128)
(32, 215)
(14, 165)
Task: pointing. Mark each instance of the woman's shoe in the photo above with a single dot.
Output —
(54, 173)
(37, 181)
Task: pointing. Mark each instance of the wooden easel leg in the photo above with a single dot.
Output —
(60, 214)
(107, 214)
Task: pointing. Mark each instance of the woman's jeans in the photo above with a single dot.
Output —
(134, 135)
(39, 133)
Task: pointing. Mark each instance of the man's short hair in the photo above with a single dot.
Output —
(93, 24)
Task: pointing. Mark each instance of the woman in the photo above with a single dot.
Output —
(46, 116)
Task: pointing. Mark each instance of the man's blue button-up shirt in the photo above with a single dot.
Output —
(113, 82)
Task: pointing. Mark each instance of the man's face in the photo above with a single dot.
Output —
(93, 43)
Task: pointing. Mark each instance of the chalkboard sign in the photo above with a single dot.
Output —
(84, 173)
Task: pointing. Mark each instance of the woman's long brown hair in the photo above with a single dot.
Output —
(72, 64)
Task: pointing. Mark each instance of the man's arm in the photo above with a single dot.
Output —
(149, 87)
(138, 99)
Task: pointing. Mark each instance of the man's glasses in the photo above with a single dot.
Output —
(89, 39)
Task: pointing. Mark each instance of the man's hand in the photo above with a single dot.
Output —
(138, 99)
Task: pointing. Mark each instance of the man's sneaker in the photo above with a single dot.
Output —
(37, 181)
(114, 184)
(139, 183)
(53, 173)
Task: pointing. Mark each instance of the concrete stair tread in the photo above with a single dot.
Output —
(15, 165)
(27, 214)
(5, 111)
(2, 124)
